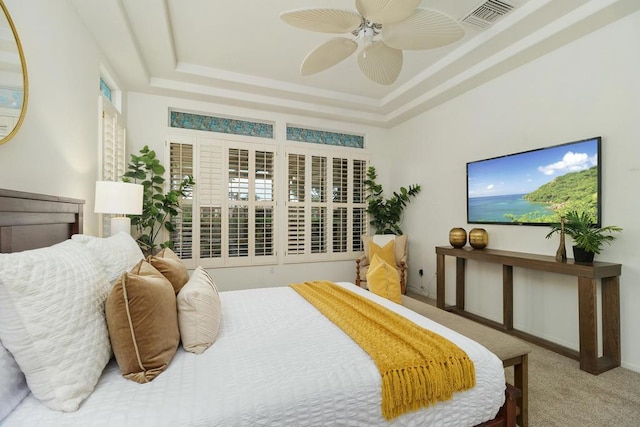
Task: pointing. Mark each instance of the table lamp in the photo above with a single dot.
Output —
(119, 198)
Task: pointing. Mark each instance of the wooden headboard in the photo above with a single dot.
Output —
(30, 221)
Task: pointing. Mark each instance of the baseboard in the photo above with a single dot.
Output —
(630, 366)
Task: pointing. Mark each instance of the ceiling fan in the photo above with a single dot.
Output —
(383, 27)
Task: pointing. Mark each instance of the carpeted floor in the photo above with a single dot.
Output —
(560, 394)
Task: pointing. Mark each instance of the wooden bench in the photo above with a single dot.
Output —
(512, 351)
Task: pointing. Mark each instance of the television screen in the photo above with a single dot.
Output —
(536, 187)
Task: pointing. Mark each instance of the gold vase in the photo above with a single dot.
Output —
(457, 237)
(478, 238)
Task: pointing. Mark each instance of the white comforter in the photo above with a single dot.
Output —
(277, 362)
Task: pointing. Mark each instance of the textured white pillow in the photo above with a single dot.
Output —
(52, 320)
(13, 387)
(199, 312)
(117, 254)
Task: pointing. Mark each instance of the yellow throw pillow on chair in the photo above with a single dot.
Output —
(386, 253)
(383, 279)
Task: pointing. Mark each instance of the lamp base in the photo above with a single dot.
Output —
(120, 223)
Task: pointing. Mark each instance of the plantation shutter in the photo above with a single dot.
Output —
(229, 220)
(326, 206)
(319, 189)
(211, 197)
(359, 225)
(296, 178)
(264, 237)
(181, 166)
(113, 160)
(238, 182)
(340, 199)
(231, 217)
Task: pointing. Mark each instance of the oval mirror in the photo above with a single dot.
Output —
(13, 79)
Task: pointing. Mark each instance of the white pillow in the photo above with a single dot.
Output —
(199, 312)
(117, 254)
(52, 320)
(13, 387)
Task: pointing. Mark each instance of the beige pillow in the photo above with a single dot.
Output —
(143, 322)
(401, 248)
(199, 312)
(384, 280)
(171, 267)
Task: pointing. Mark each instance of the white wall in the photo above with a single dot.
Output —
(587, 88)
(56, 150)
(148, 125)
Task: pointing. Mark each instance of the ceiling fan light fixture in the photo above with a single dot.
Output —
(380, 30)
(366, 36)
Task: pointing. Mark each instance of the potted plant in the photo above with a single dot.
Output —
(157, 206)
(588, 239)
(386, 214)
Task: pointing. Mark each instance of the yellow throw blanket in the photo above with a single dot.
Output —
(418, 367)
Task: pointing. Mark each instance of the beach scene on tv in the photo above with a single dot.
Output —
(534, 187)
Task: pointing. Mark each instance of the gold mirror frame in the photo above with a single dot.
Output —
(25, 83)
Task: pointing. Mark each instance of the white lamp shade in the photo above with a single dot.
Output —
(115, 197)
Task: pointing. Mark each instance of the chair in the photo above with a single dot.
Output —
(400, 252)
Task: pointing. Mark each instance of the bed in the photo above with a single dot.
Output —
(277, 361)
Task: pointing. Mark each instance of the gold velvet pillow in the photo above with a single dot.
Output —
(171, 267)
(400, 243)
(386, 253)
(143, 322)
(383, 279)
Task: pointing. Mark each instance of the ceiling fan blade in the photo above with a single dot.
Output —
(386, 11)
(323, 20)
(380, 63)
(424, 29)
(327, 55)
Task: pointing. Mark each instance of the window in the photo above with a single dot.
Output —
(326, 210)
(105, 89)
(112, 162)
(181, 166)
(109, 89)
(239, 200)
(230, 220)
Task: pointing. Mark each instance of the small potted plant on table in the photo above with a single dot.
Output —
(588, 239)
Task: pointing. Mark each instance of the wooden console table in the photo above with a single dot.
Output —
(587, 275)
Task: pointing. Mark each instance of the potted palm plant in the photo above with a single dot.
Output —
(588, 239)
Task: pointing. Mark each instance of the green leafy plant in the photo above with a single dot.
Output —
(157, 206)
(386, 214)
(580, 226)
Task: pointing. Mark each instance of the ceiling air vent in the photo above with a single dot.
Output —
(487, 13)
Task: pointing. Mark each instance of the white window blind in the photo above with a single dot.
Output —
(181, 166)
(112, 162)
(319, 189)
(360, 223)
(232, 217)
(234, 198)
(209, 185)
(329, 223)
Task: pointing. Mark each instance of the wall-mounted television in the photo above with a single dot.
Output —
(535, 187)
